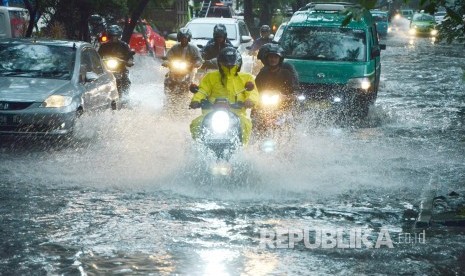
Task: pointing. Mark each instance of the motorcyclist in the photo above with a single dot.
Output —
(118, 49)
(276, 76)
(265, 37)
(215, 45)
(284, 65)
(225, 83)
(185, 51)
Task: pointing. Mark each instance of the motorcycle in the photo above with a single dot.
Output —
(221, 130)
(273, 112)
(118, 67)
(178, 77)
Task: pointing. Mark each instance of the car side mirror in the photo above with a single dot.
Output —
(194, 88)
(249, 86)
(246, 39)
(91, 76)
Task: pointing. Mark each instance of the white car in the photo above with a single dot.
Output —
(439, 16)
(238, 34)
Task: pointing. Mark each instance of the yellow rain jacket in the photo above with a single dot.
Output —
(211, 88)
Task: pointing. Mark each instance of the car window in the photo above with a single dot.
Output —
(36, 61)
(423, 17)
(380, 17)
(96, 62)
(219, 12)
(321, 43)
(205, 30)
(243, 29)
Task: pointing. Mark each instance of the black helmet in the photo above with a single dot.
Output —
(276, 50)
(263, 51)
(220, 30)
(229, 56)
(184, 32)
(265, 29)
(114, 30)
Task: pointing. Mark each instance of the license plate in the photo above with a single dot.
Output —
(318, 104)
(9, 120)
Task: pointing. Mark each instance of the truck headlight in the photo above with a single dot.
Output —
(57, 101)
(220, 122)
(359, 83)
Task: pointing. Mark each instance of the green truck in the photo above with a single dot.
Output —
(338, 64)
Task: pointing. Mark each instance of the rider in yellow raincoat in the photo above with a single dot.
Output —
(226, 83)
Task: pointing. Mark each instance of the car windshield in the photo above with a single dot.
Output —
(423, 17)
(36, 61)
(320, 43)
(205, 30)
(380, 17)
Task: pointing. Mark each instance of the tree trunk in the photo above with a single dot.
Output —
(135, 16)
(248, 13)
(32, 15)
(265, 14)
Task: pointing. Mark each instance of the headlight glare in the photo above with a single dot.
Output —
(220, 122)
(360, 83)
(57, 101)
(112, 63)
(270, 99)
(434, 32)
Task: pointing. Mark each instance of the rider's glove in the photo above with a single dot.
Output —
(194, 105)
(248, 103)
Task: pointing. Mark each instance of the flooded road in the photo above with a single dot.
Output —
(131, 195)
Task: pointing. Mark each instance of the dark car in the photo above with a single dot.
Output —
(46, 84)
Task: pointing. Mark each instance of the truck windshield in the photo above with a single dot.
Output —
(324, 43)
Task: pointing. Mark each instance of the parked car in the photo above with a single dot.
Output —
(382, 23)
(423, 24)
(13, 21)
(146, 39)
(45, 85)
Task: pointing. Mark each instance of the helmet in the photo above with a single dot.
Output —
(275, 49)
(184, 32)
(229, 56)
(263, 51)
(220, 30)
(114, 30)
(265, 29)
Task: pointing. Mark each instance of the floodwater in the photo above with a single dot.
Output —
(131, 194)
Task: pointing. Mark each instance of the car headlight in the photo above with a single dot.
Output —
(359, 83)
(434, 32)
(269, 99)
(57, 101)
(220, 122)
(413, 30)
(112, 64)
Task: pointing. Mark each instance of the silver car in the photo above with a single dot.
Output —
(46, 84)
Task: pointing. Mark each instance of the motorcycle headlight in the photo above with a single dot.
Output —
(434, 32)
(359, 83)
(270, 99)
(413, 30)
(112, 64)
(57, 101)
(220, 122)
(180, 65)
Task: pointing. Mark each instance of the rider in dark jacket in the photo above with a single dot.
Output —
(115, 47)
(265, 37)
(285, 65)
(276, 76)
(215, 45)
